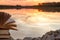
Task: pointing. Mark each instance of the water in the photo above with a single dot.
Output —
(33, 22)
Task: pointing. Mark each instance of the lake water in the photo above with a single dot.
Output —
(33, 22)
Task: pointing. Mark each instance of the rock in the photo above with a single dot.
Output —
(52, 35)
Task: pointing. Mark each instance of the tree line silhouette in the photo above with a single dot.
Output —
(40, 5)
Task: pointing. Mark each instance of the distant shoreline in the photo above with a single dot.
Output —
(28, 7)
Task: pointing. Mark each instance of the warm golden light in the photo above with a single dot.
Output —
(37, 18)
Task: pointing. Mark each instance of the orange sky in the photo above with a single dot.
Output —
(24, 2)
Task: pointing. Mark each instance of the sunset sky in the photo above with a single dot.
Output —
(25, 2)
(31, 22)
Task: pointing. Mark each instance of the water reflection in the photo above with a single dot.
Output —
(33, 23)
(50, 9)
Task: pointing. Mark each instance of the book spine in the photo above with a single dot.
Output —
(4, 34)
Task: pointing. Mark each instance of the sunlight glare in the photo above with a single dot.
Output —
(37, 18)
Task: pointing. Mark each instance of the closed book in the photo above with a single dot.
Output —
(4, 31)
(4, 39)
(5, 36)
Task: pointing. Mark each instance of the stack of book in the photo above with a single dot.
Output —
(4, 34)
